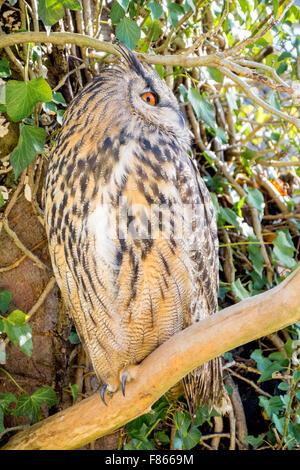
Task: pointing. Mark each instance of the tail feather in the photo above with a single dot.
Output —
(204, 386)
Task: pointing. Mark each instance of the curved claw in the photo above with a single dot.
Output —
(102, 392)
(124, 378)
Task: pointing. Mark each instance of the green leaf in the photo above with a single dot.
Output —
(163, 437)
(239, 290)
(244, 5)
(182, 422)
(4, 68)
(156, 10)
(45, 395)
(74, 338)
(254, 441)
(31, 141)
(281, 68)
(283, 386)
(204, 414)
(283, 250)
(271, 405)
(5, 299)
(20, 335)
(27, 407)
(228, 356)
(267, 366)
(229, 389)
(17, 317)
(255, 256)
(51, 11)
(215, 74)
(128, 32)
(296, 431)
(256, 199)
(116, 12)
(202, 107)
(191, 439)
(74, 389)
(3, 355)
(58, 98)
(5, 400)
(21, 97)
(30, 405)
(175, 11)
(188, 5)
(229, 216)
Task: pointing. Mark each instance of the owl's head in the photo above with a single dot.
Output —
(148, 97)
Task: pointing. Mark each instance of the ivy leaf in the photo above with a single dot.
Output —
(188, 5)
(116, 12)
(31, 141)
(156, 10)
(191, 439)
(19, 334)
(74, 338)
(51, 11)
(296, 431)
(254, 441)
(45, 395)
(202, 107)
(4, 68)
(215, 74)
(267, 366)
(21, 97)
(256, 199)
(5, 400)
(128, 32)
(175, 11)
(203, 414)
(283, 250)
(58, 98)
(29, 405)
(182, 422)
(163, 437)
(229, 216)
(239, 290)
(271, 405)
(5, 299)
(255, 256)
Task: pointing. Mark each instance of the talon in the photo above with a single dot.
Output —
(124, 378)
(102, 392)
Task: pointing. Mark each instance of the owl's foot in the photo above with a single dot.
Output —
(102, 392)
(123, 382)
(126, 375)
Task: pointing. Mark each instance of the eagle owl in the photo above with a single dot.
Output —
(131, 226)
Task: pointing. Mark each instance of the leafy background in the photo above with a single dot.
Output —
(249, 159)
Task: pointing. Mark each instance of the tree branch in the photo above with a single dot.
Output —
(236, 325)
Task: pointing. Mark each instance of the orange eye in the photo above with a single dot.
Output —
(150, 98)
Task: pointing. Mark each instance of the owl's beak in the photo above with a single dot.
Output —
(181, 120)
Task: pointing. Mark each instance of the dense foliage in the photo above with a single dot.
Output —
(242, 108)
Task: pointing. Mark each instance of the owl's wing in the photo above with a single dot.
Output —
(204, 384)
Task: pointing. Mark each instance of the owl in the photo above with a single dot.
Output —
(131, 226)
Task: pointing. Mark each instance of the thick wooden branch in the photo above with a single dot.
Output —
(213, 60)
(236, 325)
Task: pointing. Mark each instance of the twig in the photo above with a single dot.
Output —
(22, 247)
(239, 414)
(41, 299)
(250, 382)
(20, 260)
